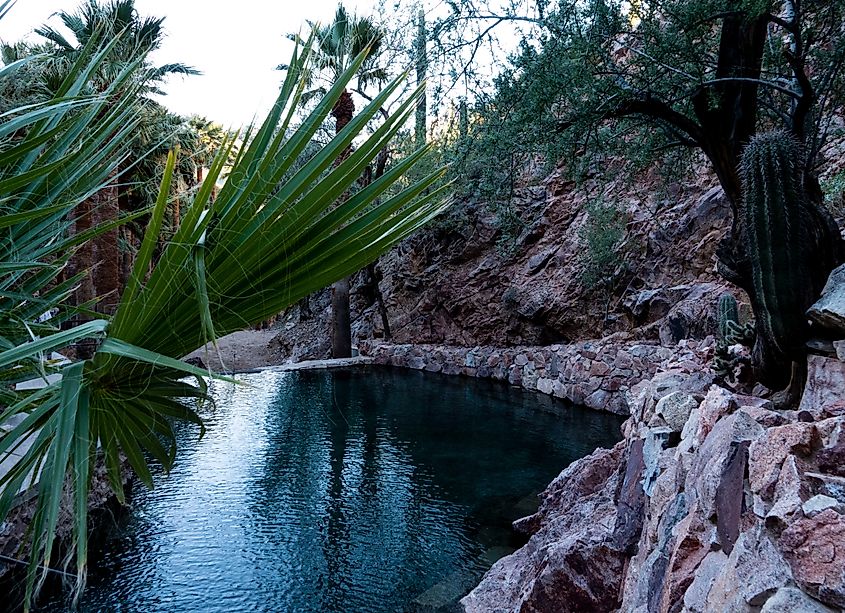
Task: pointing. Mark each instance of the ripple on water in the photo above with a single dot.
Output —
(339, 491)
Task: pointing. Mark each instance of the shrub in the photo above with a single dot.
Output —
(600, 238)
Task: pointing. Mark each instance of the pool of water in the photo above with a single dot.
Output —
(339, 491)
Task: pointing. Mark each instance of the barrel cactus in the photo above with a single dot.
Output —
(726, 360)
(779, 246)
(728, 313)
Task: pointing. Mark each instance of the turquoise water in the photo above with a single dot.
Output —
(340, 491)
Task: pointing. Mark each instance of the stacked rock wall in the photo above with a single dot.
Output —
(709, 504)
(597, 374)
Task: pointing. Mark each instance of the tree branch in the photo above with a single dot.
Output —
(657, 109)
(769, 84)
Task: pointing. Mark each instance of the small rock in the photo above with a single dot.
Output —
(761, 390)
(793, 600)
(545, 386)
(839, 346)
(708, 462)
(675, 409)
(818, 504)
(788, 494)
(769, 451)
(695, 598)
(832, 459)
(536, 262)
(821, 346)
(827, 485)
(417, 363)
(754, 571)
(766, 417)
(718, 403)
(656, 440)
(825, 389)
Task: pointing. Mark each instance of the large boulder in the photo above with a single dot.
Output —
(825, 391)
(568, 563)
(815, 550)
(829, 311)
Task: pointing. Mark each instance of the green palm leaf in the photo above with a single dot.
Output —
(235, 260)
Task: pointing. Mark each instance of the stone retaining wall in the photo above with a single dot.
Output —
(594, 373)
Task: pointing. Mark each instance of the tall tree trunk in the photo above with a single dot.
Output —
(107, 246)
(343, 111)
(422, 68)
(83, 260)
(341, 320)
(379, 298)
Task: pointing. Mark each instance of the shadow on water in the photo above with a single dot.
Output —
(354, 490)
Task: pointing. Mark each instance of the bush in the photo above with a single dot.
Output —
(600, 237)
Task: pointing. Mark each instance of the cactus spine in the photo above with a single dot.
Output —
(775, 214)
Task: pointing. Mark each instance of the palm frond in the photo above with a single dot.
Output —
(235, 259)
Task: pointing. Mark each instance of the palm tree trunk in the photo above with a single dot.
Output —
(343, 111)
(341, 320)
(107, 246)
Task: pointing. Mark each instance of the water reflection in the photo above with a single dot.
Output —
(340, 491)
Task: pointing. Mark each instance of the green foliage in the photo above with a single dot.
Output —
(610, 79)
(834, 189)
(55, 155)
(601, 236)
(236, 259)
(338, 44)
(775, 212)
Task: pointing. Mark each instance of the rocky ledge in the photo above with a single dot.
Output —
(597, 374)
(710, 503)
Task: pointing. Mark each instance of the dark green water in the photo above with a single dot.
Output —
(340, 491)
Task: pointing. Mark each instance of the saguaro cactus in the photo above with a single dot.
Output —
(780, 247)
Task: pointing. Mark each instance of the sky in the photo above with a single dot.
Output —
(236, 45)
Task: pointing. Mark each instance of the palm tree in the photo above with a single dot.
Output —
(259, 246)
(337, 45)
(135, 38)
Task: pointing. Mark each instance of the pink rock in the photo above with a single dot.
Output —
(567, 563)
(815, 550)
(789, 494)
(765, 417)
(825, 390)
(753, 572)
(707, 468)
(717, 404)
(769, 451)
(695, 598)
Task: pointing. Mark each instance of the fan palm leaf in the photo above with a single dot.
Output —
(235, 259)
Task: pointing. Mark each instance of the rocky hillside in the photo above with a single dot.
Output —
(457, 284)
(713, 502)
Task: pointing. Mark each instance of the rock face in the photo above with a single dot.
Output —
(597, 374)
(741, 511)
(454, 284)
